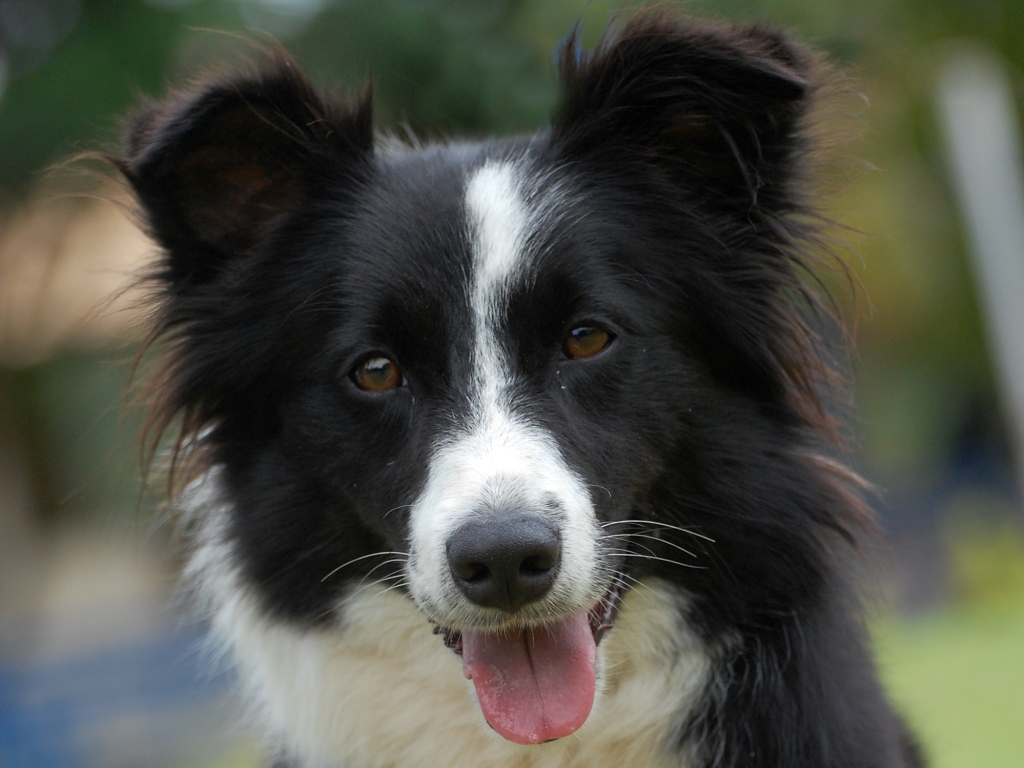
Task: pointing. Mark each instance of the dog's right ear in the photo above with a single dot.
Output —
(718, 109)
(215, 168)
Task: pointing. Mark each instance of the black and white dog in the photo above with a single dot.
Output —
(516, 452)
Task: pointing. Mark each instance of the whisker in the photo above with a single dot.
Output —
(383, 580)
(654, 524)
(395, 509)
(628, 549)
(641, 555)
(380, 565)
(357, 559)
(629, 536)
(628, 580)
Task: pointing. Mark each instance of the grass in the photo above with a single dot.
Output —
(958, 674)
(958, 677)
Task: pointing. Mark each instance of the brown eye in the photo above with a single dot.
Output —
(377, 374)
(586, 341)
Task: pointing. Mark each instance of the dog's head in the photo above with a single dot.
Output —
(508, 377)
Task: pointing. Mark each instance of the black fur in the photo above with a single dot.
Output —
(293, 247)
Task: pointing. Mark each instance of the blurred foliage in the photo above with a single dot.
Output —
(987, 557)
(89, 435)
(77, 435)
(117, 49)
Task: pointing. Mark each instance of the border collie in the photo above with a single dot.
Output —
(516, 452)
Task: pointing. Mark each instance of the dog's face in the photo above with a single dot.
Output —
(491, 370)
(505, 378)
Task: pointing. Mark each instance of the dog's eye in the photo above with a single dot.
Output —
(377, 374)
(586, 341)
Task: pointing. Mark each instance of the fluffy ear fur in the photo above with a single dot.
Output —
(216, 167)
(717, 107)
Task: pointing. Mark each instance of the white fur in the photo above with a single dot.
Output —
(499, 461)
(381, 691)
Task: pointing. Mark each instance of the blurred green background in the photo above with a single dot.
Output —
(76, 544)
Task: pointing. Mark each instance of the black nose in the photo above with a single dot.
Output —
(505, 561)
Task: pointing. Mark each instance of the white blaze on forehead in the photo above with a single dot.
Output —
(498, 459)
(498, 217)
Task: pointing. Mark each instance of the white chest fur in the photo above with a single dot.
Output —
(381, 691)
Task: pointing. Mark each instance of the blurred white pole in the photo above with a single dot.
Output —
(976, 110)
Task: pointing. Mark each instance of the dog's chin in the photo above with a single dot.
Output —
(536, 680)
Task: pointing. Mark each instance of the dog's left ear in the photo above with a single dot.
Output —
(217, 167)
(717, 108)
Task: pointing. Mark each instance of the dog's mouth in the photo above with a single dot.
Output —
(537, 684)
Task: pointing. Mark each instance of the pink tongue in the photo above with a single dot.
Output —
(535, 685)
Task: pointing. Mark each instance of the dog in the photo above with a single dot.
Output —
(516, 452)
